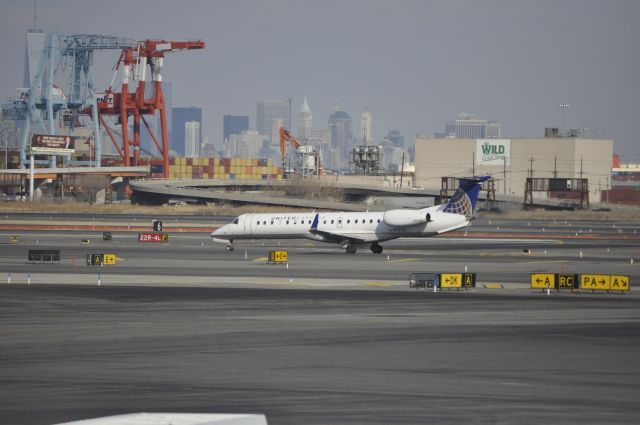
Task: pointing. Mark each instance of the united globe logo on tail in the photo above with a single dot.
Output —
(463, 201)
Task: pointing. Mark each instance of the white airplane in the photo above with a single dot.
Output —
(350, 229)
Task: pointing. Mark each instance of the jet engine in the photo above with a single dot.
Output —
(405, 217)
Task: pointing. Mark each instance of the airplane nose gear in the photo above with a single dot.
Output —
(375, 248)
(230, 246)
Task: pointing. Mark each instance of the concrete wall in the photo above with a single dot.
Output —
(436, 158)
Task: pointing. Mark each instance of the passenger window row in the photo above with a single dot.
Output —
(264, 222)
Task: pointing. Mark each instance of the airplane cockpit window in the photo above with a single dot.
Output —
(236, 221)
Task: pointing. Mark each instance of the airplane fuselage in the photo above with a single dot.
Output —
(353, 228)
(335, 227)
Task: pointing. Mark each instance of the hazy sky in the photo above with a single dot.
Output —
(414, 63)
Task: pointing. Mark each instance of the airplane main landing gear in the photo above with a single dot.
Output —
(350, 249)
(375, 248)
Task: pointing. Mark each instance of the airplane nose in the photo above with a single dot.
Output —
(219, 231)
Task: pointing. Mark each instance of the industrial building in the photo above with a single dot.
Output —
(511, 161)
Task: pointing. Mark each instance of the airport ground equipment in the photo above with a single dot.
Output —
(44, 255)
(106, 236)
(157, 225)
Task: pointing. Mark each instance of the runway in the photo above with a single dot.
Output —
(332, 339)
(317, 356)
(503, 252)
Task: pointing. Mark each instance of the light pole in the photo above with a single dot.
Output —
(6, 148)
(564, 106)
(291, 100)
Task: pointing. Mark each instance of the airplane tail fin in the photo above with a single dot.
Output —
(464, 200)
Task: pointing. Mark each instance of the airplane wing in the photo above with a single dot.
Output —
(174, 419)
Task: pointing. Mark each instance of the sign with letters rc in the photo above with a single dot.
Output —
(568, 281)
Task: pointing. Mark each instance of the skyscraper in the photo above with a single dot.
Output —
(470, 126)
(267, 112)
(192, 139)
(365, 127)
(395, 138)
(341, 137)
(234, 124)
(305, 121)
(180, 116)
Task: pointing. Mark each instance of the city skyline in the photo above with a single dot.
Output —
(542, 54)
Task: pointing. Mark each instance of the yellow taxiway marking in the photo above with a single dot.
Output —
(402, 260)
(261, 259)
(493, 285)
(384, 285)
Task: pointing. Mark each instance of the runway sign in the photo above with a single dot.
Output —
(619, 283)
(276, 257)
(469, 280)
(451, 280)
(543, 280)
(110, 259)
(101, 259)
(153, 237)
(568, 281)
(595, 282)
